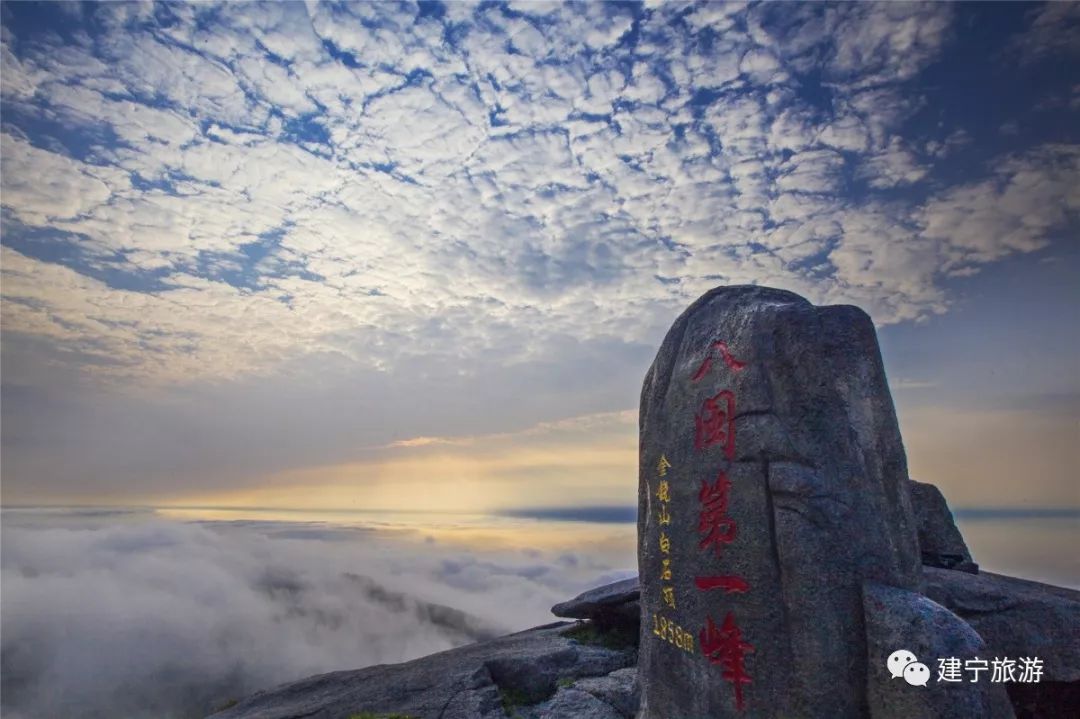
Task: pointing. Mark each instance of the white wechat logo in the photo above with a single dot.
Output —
(916, 674)
(903, 663)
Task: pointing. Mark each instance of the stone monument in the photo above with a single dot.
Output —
(772, 488)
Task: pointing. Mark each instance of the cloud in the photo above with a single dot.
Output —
(324, 433)
(1014, 211)
(137, 615)
(42, 187)
(553, 465)
(892, 167)
(413, 212)
(389, 168)
(882, 45)
(1054, 30)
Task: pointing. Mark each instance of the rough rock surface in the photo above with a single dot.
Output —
(940, 542)
(488, 680)
(611, 604)
(1020, 618)
(1016, 617)
(619, 689)
(774, 417)
(897, 619)
(570, 703)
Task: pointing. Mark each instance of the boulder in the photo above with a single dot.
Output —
(564, 671)
(772, 485)
(1021, 618)
(612, 696)
(609, 605)
(619, 689)
(1016, 617)
(1045, 700)
(901, 621)
(569, 702)
(940, 542)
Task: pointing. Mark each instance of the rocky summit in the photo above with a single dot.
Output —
(563, 670)
(588, 669)
(788, 567)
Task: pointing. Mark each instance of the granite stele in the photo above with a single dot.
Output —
(776, 541)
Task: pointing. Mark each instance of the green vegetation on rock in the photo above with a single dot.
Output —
(512, 699)
(614, 638)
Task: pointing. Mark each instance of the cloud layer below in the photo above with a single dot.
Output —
(166, 615)
(132, 614)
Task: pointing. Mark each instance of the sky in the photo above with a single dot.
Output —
(409, 256)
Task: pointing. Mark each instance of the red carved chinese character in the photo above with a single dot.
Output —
(728, 358)
(730, 584)
(715, 528)
(726, 647)
(703, 369)
(715, 423)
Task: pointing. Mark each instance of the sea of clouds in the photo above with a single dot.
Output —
(132, 614)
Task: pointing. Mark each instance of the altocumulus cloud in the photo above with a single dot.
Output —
(127, 614)
(366, 180)
(242, 238)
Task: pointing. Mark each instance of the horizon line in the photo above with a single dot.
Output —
(602, 513)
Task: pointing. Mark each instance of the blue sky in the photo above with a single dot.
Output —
(281, 253)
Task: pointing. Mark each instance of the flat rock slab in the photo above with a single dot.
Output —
(772, 483)
(616, 602)
(472, 682)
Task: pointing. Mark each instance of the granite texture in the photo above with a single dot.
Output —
(817, 503)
